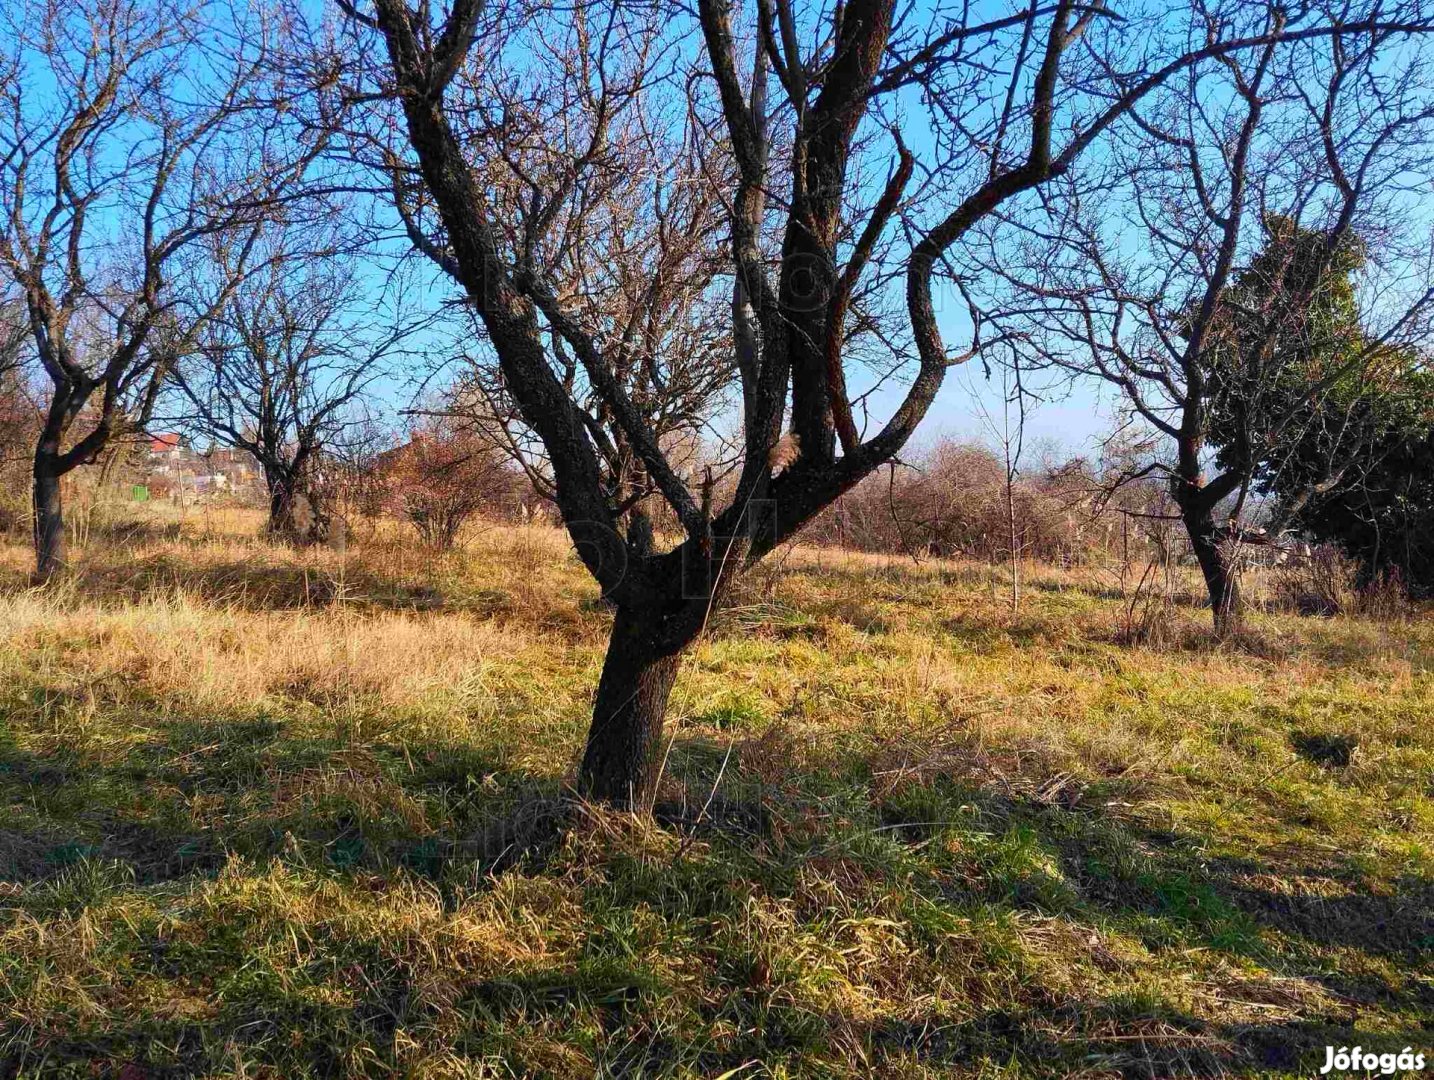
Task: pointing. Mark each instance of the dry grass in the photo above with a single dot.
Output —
(287, 814)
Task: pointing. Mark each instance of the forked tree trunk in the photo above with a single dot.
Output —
(1221, 579)
(623, 756)
(49, 520)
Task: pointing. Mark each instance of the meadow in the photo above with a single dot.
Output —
(281, 813)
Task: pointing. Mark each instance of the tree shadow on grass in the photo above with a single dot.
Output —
(949, 843)
(257, 587)
(202, 791)
(1183, 598)
(615, 1005)
(1102, 1037)
(1061, 851)
(1366, 943)
(1306, 903)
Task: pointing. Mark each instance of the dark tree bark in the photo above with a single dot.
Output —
(280, 499)
(283, 490)
(297, 511)
(51, 464)
(1222, 580)
(624, 745)
(50, 551)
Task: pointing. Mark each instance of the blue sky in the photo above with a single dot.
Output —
(1072, 415)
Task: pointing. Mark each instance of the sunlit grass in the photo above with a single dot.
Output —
(293, 814)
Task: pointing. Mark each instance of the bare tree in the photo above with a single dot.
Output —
(131, 132)
(284, 361)
(1009, 433)
(14, 336)
(1012, 103)
(1250, 244)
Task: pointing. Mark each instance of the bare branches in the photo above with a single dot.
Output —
(846, 283)
(1214, 271)
(129, 134)
(543, 161)
(571, 162)
(281, 367)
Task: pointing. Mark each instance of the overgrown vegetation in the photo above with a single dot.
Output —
(288, 813)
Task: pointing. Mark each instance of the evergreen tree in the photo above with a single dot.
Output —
(1331, 424)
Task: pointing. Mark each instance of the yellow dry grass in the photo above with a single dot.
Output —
(289, 813)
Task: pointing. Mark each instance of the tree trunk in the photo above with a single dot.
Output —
(1221, 579)
(620, 765)
(49, 520)
(1011, 531)
(295, 514)
(281, 503)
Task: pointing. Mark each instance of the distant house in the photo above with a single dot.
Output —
(167, 445)
(175, 467)
(168, 453)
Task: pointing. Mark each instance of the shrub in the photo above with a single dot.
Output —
(440, 479)
(952, 503)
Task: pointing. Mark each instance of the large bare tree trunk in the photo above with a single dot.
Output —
(281, 502)
(620, 765)
(296, 513)
(49, 518)
(1222, 580)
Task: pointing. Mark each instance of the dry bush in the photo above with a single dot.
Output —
(440, 479)
(1386, 599)
(1151, 617)
(1321, 582)
(19, 425)
(952, 502)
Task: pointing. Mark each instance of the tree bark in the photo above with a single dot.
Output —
(621, 763)
(281, 503)
(1221, 579)
(49, 519)
(294, 512)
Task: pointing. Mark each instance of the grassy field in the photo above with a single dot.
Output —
(282, 814)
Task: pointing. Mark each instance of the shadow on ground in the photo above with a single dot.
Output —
(255, 586)
(944, 854)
